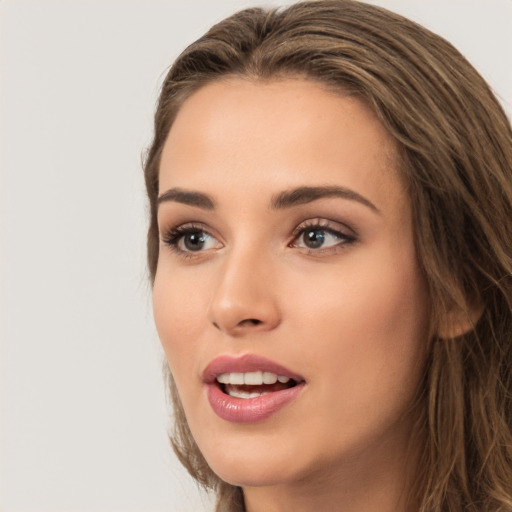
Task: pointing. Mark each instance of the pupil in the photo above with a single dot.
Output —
(314, 239)
(194, 241)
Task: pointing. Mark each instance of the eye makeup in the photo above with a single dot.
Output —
(317, 237)
(189, 238)
(321, 236)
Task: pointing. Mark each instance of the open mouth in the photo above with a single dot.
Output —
(249, 388)
(253, 384)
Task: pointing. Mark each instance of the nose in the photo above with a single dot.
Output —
(244, 300)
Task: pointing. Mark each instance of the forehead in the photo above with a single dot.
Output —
(277, 134)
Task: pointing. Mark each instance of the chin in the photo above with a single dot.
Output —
(260, 475)
(254, 462)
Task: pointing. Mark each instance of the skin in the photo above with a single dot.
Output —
(350, 316)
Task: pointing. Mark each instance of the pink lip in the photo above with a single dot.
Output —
(245, 363)
(241, 410)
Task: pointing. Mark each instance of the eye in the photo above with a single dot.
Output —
(187, 239)
(317, 237)
(195, 241)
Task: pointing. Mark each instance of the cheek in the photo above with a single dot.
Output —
(368, 324)
(364, 340)
(176, 309)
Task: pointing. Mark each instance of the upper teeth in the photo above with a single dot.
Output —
(251, 378)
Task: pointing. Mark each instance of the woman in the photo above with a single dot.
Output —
(330, 192)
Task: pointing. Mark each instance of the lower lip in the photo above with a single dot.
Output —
(249, 410)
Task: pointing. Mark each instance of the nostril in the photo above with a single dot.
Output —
(247, 323)
(250, 321)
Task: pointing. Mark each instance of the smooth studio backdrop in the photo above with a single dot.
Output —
(82, 411)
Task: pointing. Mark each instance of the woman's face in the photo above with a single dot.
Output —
(287, 251)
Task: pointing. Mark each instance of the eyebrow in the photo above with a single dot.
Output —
(303, 195)
(187, 197)
(283, 200)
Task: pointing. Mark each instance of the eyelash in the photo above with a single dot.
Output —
(173, 237)
(325, 226)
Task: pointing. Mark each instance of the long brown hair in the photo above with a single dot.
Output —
(455, 144)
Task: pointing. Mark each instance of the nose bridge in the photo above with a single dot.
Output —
(244, 297)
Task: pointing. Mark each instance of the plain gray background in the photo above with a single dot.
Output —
(82, 412)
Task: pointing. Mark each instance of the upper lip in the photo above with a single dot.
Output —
(245, 363)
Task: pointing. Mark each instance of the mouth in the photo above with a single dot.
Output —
(253, 384)
(249, 388)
